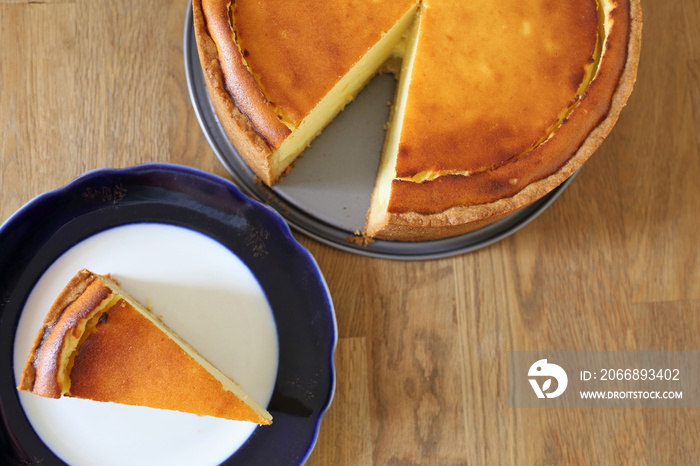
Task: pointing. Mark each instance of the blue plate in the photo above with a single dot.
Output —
(41, 231)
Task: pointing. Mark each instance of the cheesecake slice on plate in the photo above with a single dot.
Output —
(99, 343)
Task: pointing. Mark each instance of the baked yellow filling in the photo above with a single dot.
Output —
(386, 172)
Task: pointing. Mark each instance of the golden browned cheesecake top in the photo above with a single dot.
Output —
(491, 79)
(524, 110)
(128, 360)
(299, 50)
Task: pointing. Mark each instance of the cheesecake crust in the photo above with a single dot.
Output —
(243, 111)
(75, 303)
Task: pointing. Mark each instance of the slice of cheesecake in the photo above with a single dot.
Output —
(99, 343)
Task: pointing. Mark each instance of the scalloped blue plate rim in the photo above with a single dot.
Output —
(101, 203)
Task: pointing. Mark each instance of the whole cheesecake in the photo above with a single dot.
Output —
(99, 343)
(497, 103)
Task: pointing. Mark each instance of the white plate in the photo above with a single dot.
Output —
(205, 294)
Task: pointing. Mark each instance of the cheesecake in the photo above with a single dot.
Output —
(99, 343)
(497, 103)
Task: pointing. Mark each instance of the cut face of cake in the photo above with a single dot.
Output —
(496, 104)
(99, 343)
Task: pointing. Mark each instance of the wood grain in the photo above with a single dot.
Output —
(423, 347)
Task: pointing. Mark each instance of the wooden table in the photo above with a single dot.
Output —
(423, 347)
